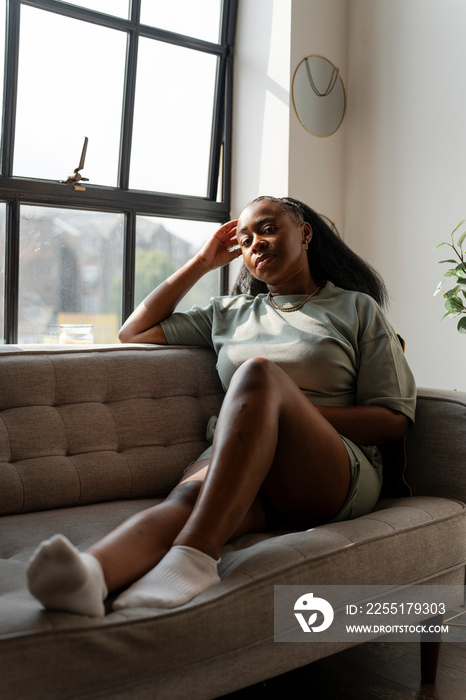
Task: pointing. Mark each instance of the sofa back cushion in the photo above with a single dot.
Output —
(90, 425)
(436, 445)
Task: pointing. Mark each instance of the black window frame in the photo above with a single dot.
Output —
(14, 191)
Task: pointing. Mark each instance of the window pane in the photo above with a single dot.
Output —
(197, 18)
(173, 119)
(70, 272)
(163, 246)
(63, 67)
(119, 8)
(2, 271)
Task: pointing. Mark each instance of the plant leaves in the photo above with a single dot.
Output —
(452, 292)
(458, 225)
(453, 305)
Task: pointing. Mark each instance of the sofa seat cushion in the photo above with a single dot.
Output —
(391, 545)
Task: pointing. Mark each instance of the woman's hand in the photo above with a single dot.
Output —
(143, 326)
(221, 248)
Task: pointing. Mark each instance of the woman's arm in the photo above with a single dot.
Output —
(366, 425)
(143, 326)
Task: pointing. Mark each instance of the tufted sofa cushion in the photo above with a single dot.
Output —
(89, 426)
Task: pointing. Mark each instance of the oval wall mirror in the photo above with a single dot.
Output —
(319, 96)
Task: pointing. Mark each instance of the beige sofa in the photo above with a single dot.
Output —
(89, 436)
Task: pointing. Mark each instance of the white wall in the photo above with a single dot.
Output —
(392, 177)
(272, 152)
(261, 101)
(405, 177)
(316, 173)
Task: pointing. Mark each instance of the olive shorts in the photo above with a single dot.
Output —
(366, 481)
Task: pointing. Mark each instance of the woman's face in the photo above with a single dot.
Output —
(272, 244)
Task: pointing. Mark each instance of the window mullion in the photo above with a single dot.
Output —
(111, 199)
(68, 9)
(135, 11)
(228, 38)
(229, 22)
(10, 87)
(224, 282)
(129, 265)
(11, 272)
(217, 131)
(128, 110)
(220, 102)
(228, 126)
(129, 97)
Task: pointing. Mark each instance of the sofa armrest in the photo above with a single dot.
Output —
(436, 445)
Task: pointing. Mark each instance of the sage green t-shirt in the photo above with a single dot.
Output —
(338, 348)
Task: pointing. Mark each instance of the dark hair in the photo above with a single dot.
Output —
(329, 258)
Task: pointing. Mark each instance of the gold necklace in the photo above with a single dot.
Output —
(293, 307)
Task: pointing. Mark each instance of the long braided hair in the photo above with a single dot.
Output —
(329, 258)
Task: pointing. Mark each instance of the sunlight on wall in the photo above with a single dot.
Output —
(261, 102)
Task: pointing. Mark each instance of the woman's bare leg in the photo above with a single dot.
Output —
(270, 443)
(269, 439)
(138, 544)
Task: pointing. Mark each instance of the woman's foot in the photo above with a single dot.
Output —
(62, 578)
(182, 574)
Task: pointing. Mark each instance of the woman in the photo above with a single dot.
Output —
(315, 380)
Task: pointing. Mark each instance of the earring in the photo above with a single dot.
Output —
(306, 245)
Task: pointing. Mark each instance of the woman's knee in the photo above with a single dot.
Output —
(256, 373)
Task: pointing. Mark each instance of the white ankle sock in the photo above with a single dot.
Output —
(62, 578)
(181, 575)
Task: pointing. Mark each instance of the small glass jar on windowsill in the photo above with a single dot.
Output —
(76, 334)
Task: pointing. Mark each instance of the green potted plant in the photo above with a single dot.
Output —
(455, 297)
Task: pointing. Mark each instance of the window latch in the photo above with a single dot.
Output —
(75, 177)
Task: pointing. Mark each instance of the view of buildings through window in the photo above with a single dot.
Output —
(71, 268)
(154, 106)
